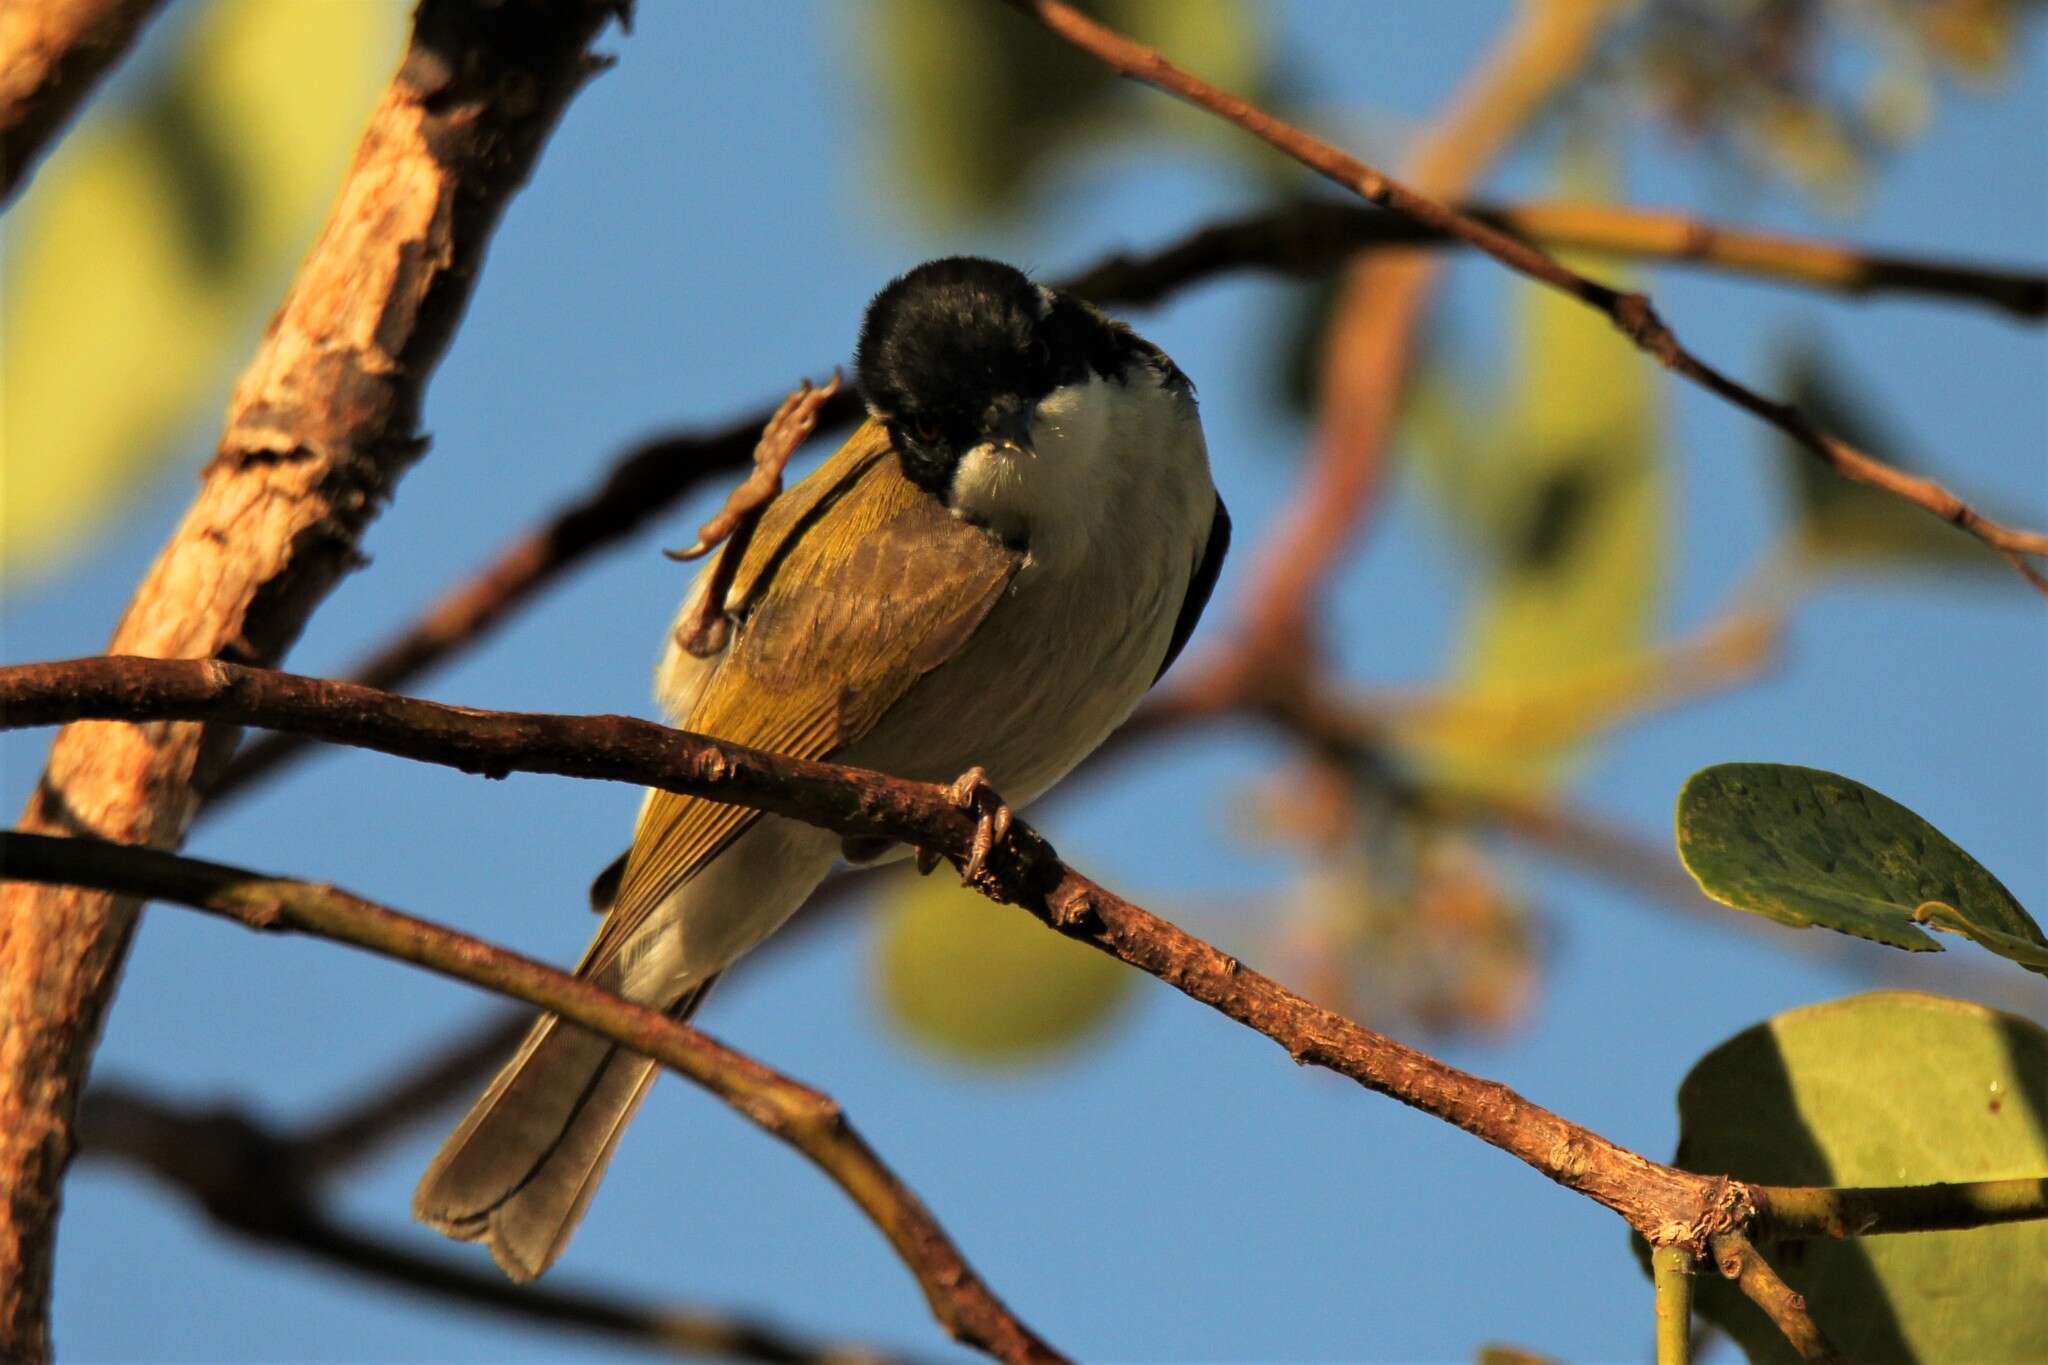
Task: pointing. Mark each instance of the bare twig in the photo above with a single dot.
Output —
(52, 53)
(704, 634)
(248, 1181)
(1630, 312)
(806, 1119)
(357, 1131)
(320, 428)
(1739, 1261)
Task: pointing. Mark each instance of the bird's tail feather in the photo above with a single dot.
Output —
(520, 1169)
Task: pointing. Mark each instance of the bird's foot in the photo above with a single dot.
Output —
(972, 792)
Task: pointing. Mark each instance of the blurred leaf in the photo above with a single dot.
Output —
(156, 240)
(1974, 38)
(1802, 846)
(978, 101)
(985, 983)
(1892, 1088)
(1397, 919)
(1847, 526)
(1563, 495)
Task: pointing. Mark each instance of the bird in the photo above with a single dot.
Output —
(978, 586)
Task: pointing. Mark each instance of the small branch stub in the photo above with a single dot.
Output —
(705, 632)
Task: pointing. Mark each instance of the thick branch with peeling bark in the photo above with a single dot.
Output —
(1630, 312)
(52, 54)
(320, 428)
(806, 1119)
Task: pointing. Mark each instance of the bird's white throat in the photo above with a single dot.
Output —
(1103, 455)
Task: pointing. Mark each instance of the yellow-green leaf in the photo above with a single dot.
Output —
(986, 983)
(1846, 526)
(1892, 1088)
(155, 242)
(1563, 495)
(1803, 846)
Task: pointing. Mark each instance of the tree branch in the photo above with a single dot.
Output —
(1303, 240)
(1787, 1213)
(1670, 1207)
(1630, 312)
(249, 1182)
(1666, 1205)
(1739, 1261)
(320, 427)
(1308, 239)
(806, 1119)
(52, 54)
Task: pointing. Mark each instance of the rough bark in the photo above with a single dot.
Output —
(52, 54)
(319, 429)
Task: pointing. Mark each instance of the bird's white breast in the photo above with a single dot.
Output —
(1113, 503)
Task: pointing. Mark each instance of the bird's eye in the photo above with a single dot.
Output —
(926, 431)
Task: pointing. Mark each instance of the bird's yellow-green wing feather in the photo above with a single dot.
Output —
(856, 584)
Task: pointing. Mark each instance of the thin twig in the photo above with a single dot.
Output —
(1740, 1261)
(245, 1177)
(52, 54)
(1630, 312)
(806, 1119)
(704, 633)
(1671, 1270)
(357, 1131)
(322, 424)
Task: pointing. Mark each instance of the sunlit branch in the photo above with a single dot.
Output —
(1740, 1261)
(52, 54)
(806, 1119)
(323, 422)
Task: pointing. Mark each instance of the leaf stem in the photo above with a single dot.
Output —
(1671, 1267)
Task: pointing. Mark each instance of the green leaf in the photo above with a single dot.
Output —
(155, 241)
(978, 101)
(1844, 526)
(986, 983)
(1802, 846)
(1564, 496)
(1892, 1088)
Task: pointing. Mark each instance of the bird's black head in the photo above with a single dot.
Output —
(958, 351)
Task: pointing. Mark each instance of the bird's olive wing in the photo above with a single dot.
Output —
(873, 585)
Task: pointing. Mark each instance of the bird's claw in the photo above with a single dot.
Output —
(972, 792)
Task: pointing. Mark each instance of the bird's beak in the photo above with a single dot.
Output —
(1012, 431)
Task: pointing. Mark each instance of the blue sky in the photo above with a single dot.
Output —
(705, 227)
